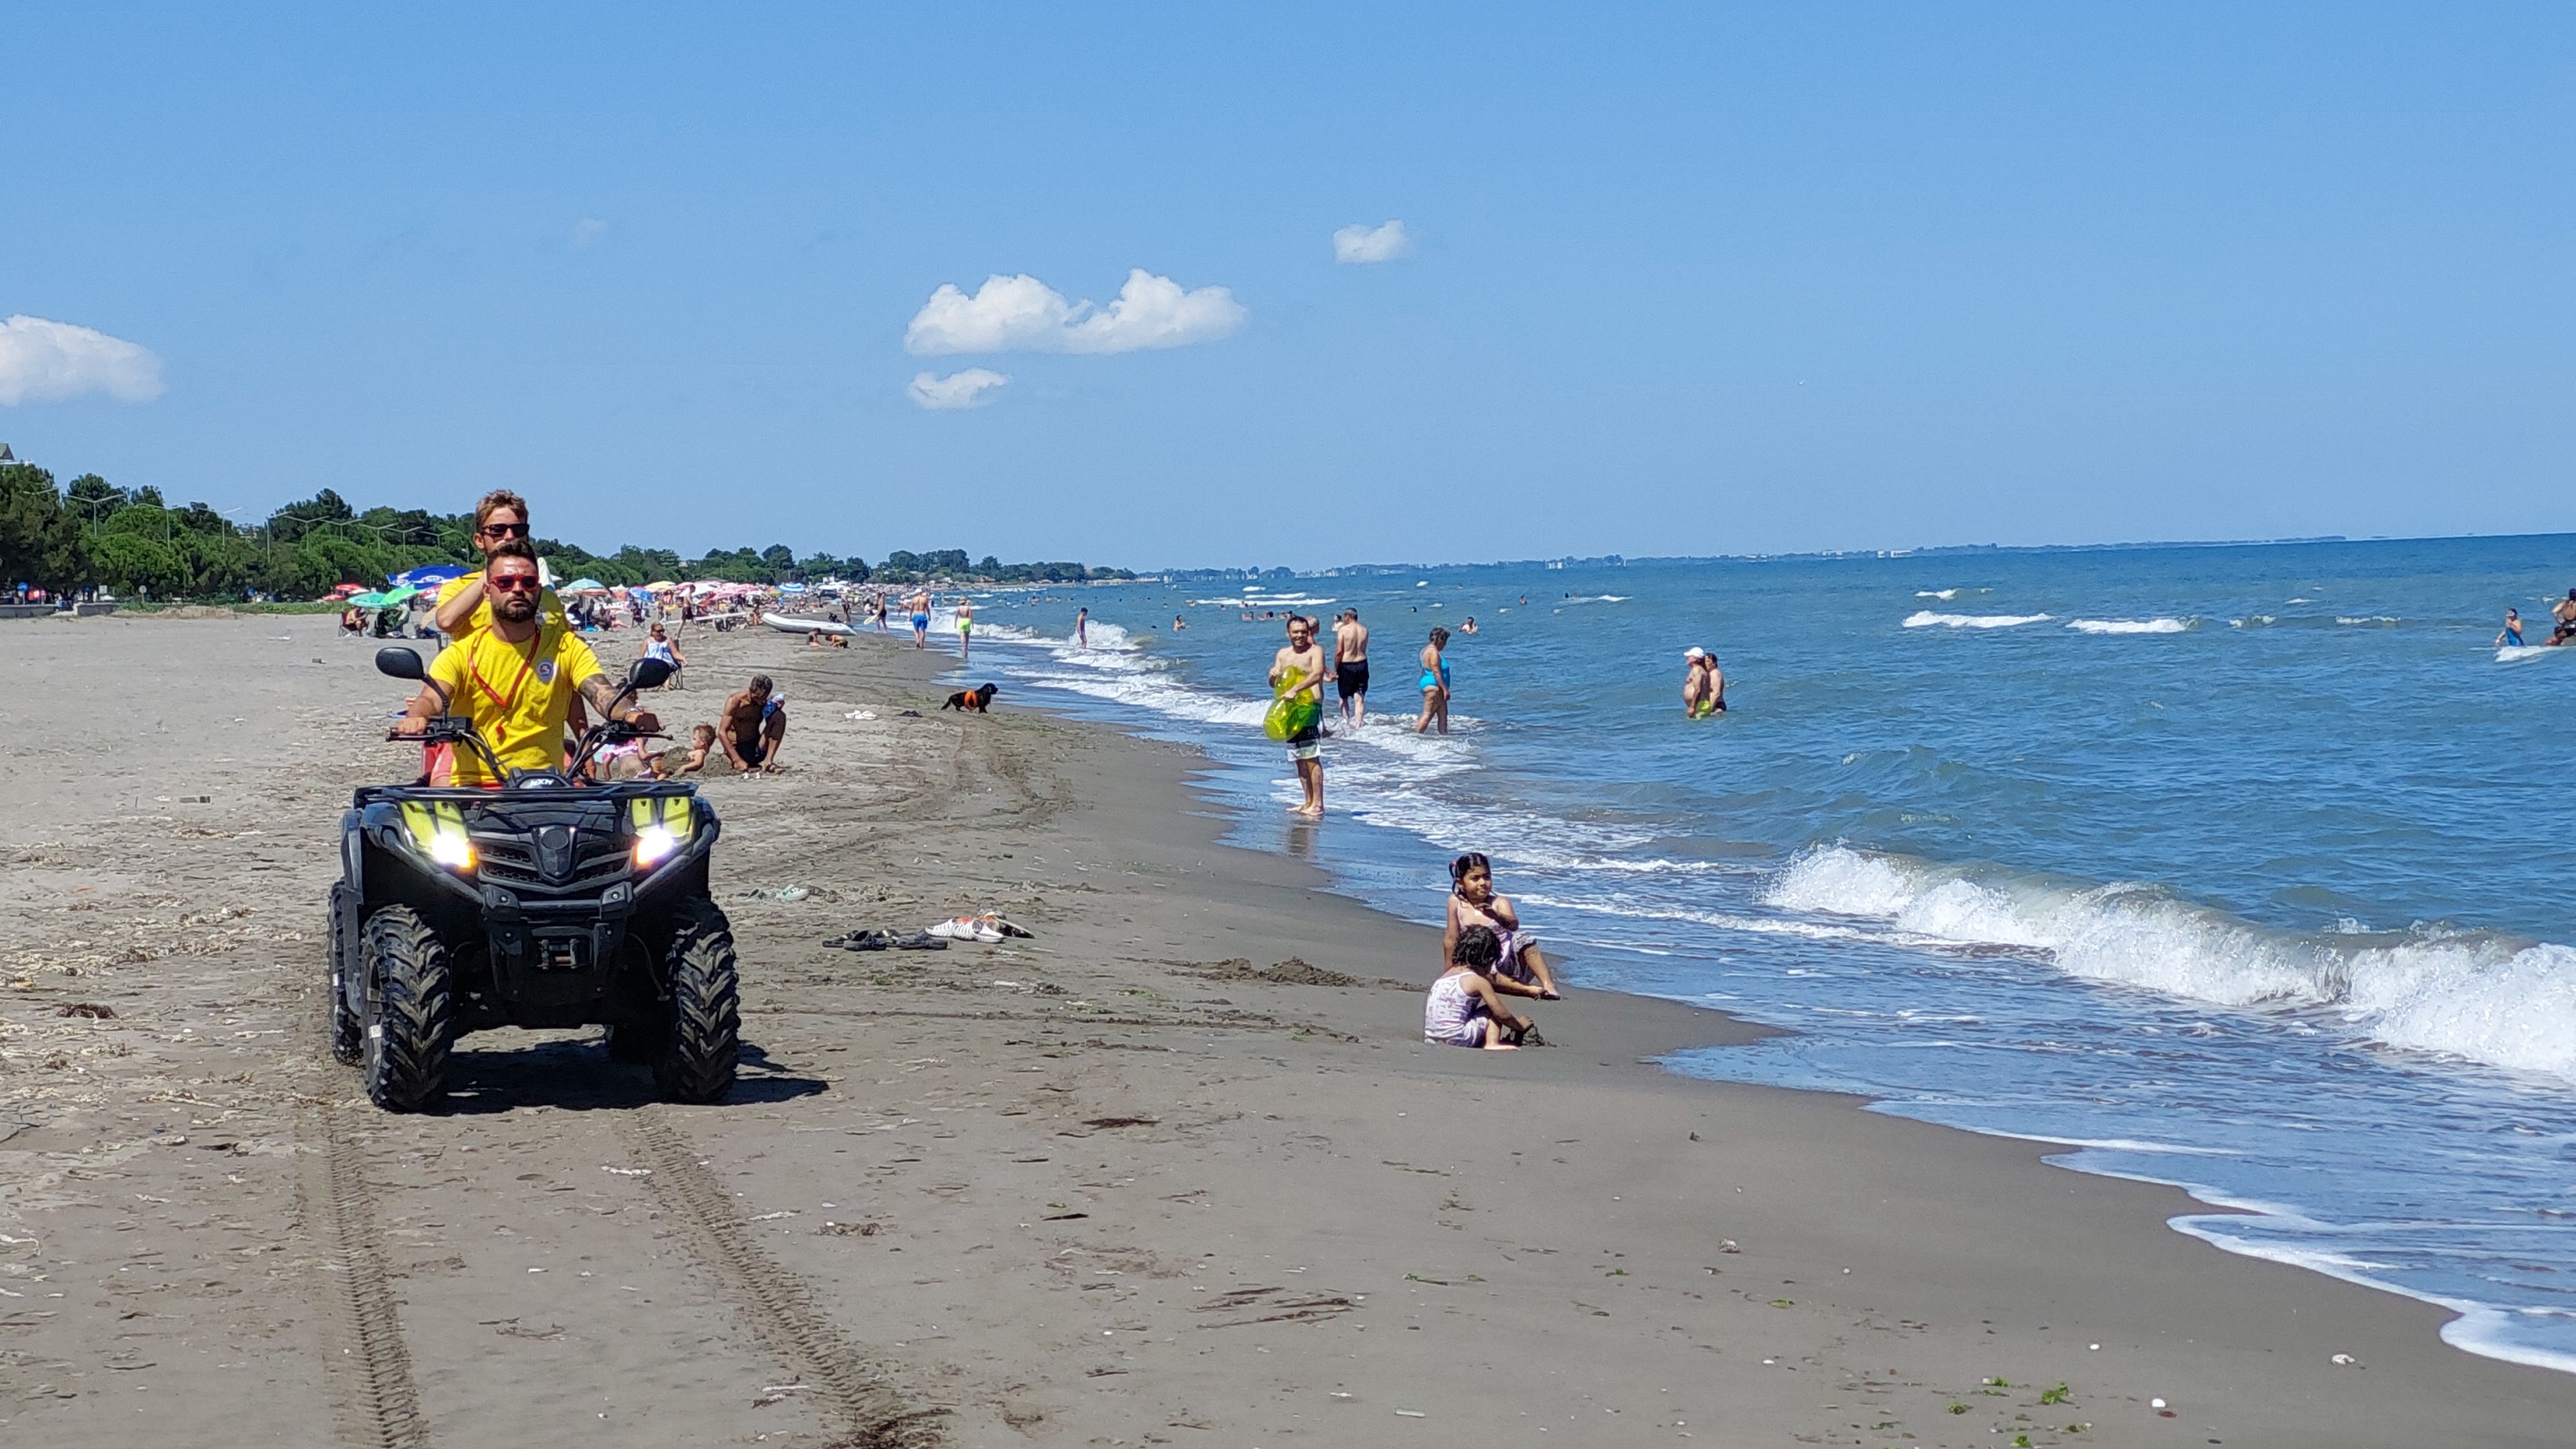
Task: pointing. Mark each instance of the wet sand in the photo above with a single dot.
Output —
(1176, 1171)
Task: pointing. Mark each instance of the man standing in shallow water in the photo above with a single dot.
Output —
(1350, 666)
(1297, 675)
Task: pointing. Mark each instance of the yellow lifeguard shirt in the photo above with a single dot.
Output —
(518, 695)
(550, 610)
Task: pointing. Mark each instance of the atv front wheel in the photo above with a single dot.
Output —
(697, 1059)
(412, 1022)
(347, 1032)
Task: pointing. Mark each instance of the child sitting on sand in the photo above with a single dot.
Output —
(701, 740)
(1522, 971)
(1463, 1008)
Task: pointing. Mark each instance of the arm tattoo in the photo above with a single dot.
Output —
(600, 693)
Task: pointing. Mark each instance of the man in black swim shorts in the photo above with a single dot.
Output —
(1350, 666)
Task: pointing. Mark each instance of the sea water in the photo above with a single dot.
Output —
(2239, 868)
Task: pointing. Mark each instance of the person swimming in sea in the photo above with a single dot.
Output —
(2511, 638)
(1519, 967)
(1435, 683)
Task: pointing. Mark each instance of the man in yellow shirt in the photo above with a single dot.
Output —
(517, 679)
(464, 605)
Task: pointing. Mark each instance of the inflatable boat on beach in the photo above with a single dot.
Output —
(785, 624)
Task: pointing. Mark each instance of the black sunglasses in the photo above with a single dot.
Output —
(505, 530)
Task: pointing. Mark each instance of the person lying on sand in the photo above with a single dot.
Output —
(1463, 1008)
(753, 727)
(1473, 905)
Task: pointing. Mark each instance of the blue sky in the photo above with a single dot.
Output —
(1686, 279)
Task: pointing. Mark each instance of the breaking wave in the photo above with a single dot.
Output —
(2133, 626)
(2481, 996)
(1926, 619)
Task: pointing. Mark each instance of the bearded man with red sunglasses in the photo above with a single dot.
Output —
(517, 679)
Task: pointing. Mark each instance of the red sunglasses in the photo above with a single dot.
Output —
(514, 584)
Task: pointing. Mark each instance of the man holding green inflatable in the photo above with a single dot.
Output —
(1297, 714)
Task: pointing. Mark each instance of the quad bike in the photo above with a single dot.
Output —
(551, 901)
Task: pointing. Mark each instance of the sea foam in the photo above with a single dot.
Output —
(1926, 619)
(2487, 998)
(2132, 626)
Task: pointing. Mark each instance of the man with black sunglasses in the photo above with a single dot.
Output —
(464, 606)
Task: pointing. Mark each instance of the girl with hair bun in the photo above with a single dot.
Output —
(1522, 970)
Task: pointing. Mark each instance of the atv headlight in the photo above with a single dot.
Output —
(661, 827)
(438, 831)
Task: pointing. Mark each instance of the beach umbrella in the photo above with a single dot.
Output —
(368, 600)
(664, 584)
(391, 597)
(343, 591)
(791, 588)
(584, 586)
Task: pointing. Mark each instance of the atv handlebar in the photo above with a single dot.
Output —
(443, 728)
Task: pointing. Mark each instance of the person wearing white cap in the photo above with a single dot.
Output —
(1703, 687)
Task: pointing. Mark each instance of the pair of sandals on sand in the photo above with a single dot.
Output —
(887, 941)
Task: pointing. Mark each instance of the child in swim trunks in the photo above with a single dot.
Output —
(701, 741)
(1463, 1008)
(1473, 905)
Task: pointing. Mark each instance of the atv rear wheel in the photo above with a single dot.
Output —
(412, 1017)
(696, 1063)
(348, 1034)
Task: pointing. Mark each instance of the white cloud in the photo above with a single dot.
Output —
(957, 390)
(587, 230)
(43, 361)
(1023, 314)
(1354, 244)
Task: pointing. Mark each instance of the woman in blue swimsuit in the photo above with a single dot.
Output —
(1435, 683)
(2511, 638)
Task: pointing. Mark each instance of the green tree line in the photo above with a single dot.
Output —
(94, 534)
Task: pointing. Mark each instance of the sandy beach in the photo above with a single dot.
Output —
(1176, 1171)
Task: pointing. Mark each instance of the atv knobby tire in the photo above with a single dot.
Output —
(696, 1063)
(348, 1034)
(411, 1022)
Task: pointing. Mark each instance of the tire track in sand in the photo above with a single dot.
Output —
(772, 1303)
(373, 1396)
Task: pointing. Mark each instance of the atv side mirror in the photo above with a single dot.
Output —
(400, 663)
(647, 673)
